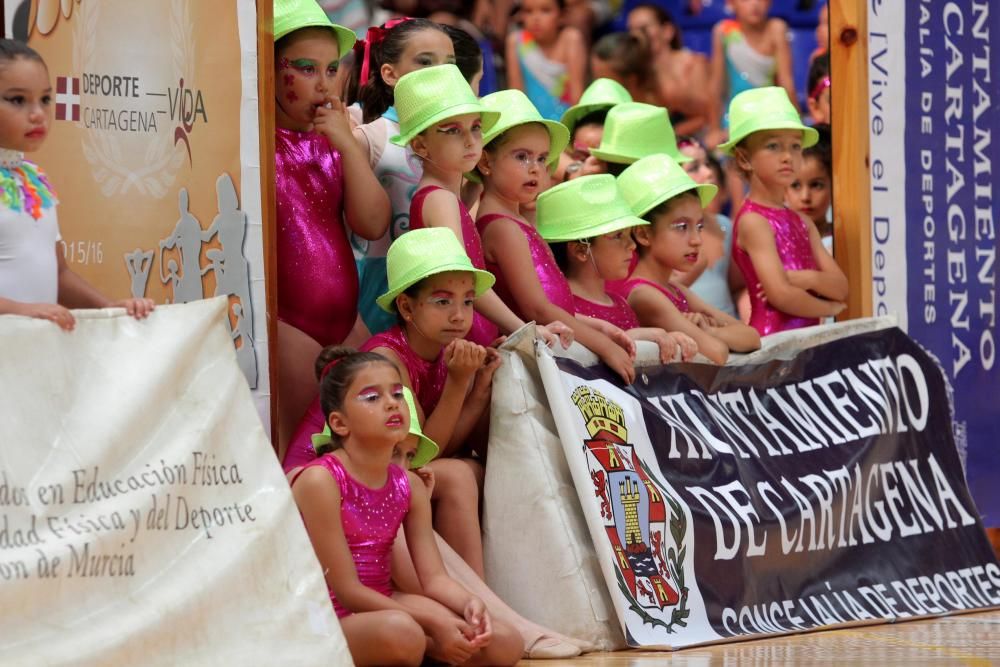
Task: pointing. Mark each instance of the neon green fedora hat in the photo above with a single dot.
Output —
(421, 253)
(765, 108)
(634, 130)
(516, 109)
(427, 449)
(584, 208)
(433, 94)
(599, 95)
(291, 15)
(647, 183)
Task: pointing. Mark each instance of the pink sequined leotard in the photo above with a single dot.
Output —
(317, 277)
(791, 237)
(625, 287)
(553, 282)
(619, 313)
(483, 331)
(371, 519)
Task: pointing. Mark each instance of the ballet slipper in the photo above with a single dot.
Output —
(547, 648)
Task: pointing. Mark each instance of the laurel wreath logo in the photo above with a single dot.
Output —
(116, 170)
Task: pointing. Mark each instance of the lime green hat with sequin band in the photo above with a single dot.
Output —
(600, 95)
(292, 15)
(431, 95)
(760, 109)
(583, 208)
(516, 109)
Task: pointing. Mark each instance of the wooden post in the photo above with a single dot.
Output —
(265, 110)
(851, 171)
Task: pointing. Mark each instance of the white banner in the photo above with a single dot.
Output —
(144, 518)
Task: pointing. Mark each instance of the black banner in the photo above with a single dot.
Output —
(822, 490)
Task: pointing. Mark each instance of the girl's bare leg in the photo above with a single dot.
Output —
(297, 385)
(539, 642)
(505, 648)
(384, 638)
(456, 508)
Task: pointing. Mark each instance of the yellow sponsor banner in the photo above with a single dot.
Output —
(154, 152)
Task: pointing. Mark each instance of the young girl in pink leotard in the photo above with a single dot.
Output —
(442, 121)
(353, 501)
(528, 278)
(659, 191)
(450, 377)
(792, 279)
(588, 225)
(322, 179)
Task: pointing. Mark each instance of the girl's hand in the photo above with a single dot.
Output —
(463, 358)
(452, 640)
(52, 312)
(688, 346)
(479, 619)
(619, 361)
(836, 307)
(668, 346)
(333, 122)
(701, 320)
(554, 331)
(483, 383)
(426, 476)
(137, 308)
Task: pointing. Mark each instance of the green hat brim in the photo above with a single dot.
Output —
(345, 36)
(558, 135)
(488, 118)
(575, 113)
(618, 158)
(427, 449)
(626, 222)
(809, 135)
(706, 193)
(483, 281)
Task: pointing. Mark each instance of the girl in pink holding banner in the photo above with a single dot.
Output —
(35, 280)
(519, 150)
(589, 227)
(442, 121)
(792, 279)
(322, 180)
(659, 190)
(353, 500)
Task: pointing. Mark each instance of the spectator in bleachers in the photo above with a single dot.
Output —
(748, 51)
(822, 32)
(679, 73)
(545, 60)
(818, 85)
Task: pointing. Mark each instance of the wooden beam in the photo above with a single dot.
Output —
(851, 170)
(265, 110)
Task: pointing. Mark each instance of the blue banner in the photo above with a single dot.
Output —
(951, 110)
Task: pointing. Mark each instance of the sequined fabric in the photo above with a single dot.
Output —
(371, 519)
(426, 377)
(553, 282)
(625, 287)
(483, 331)
(618, 313)
(792, 240)
(317, 276)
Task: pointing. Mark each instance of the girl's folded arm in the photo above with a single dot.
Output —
(757, 237)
